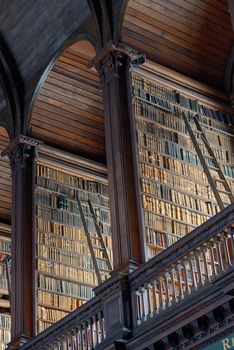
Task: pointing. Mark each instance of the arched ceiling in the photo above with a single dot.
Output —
(68, 111)
(193, 37)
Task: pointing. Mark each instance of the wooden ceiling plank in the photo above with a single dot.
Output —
(95, 96)
(65, 143)
(62, 91)
(173, 42)
(70, 101)
(90, 84)
(72, 62)
(73, 119)
(176, 33)
(65, 106)
(63, 136)
(206, 24)
(177, 26)
(75, 127)
(76, 83)
(75, 70)
(178, 66)
(80, 114)
(175, 52)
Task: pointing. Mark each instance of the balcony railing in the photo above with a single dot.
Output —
(124, 303)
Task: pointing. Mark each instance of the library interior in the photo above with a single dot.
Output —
(117, 175)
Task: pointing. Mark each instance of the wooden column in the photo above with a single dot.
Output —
(22, 158)
(113, 68)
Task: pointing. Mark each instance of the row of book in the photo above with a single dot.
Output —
(69, 180)
(96, 198)
(58, 301)
(164, 162)
(69, 218)
(177, 151)
(51, 315)
(52, 199)
(152, 91)
(67, 271)
(150, 173)
(68, 258)
(64, 287)
(47, 227)
(174, 211)
(174, 195)
(159, 239)
(72, 245)
(149, 128)
(153, 115)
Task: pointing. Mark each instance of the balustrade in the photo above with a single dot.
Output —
(185, 268)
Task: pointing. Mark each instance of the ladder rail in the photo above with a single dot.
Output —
(216, 163)
(203, 162)
(99, 233)
(93, 256)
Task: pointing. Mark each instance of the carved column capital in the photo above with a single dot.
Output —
(115, 57)
(21, 151)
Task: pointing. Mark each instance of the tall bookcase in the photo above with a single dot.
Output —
(5, 260)
(66, 274)
(175, 194)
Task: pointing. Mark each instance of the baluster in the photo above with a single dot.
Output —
(67, 342)
(143, 304)
(154, 293)
(212, 257)
(91, 332)
(174, 295)
(101, 318)
(86, 335)
(161, 294)
(225, 237)
(150, 311)
(138, 304)
(168, 298)
(181, 290)
(204, 255)
(81, 337)
(219, 253)
(97, 329)
(76, 335)
(186, 279)
(198, 263)
(194, 281)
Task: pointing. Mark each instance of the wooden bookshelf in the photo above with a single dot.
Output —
(65, 271)
(174, 190)
(5, 260)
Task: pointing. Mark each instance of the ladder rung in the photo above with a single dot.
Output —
(225, 192)
(220, 180)
(213, 168)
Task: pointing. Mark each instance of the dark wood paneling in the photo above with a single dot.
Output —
(193, 37)
(68, 112)
(5, 180)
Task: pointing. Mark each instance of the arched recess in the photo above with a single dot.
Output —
(5, 180)
(68, 110)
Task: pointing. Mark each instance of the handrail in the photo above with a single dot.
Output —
(195, 261)
(186, 266)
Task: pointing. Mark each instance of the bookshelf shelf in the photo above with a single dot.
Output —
(174, 190)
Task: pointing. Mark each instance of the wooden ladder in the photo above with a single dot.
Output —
(102, 247)
(207, 168)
